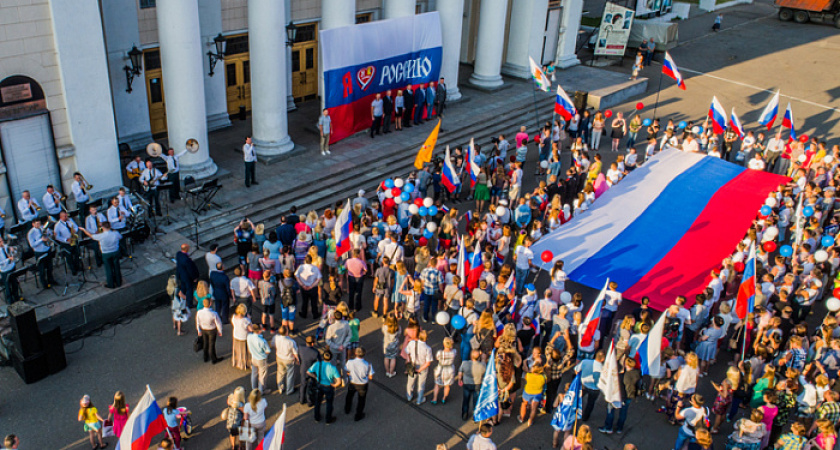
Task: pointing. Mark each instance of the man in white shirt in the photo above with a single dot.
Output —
(38, 242)
(150, 180)
(288, 357)
(420, 356)
(27, 207)
(108, 250)
(80, 190)
(243, 289)
(337, 338)
(360, 372)
(523, 257)
(209, 325)
(125, 200)
(756, 163)
(67, 234)
(52, 201)
(481, 440)
(117, 215)
(611, 303)
(390, 247)
(212, 257)
(308, 277)
(250, 157)
(93, 225)
(133, 171)
(173, 173)
(775, 146)
(693, 416)
(690, 144)
(7, 266)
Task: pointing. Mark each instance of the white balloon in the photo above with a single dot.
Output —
(565, 297)
(544, 164)
(828, 159)
(771, 202)
(431, 226)
(388, 193)
(427, 202)
(398, 182)
(413, 209)
(821, 256)
(500, 211)
(398, 199)
(442, 318)
(802, 158)
(771, 232)
(696, 130)
(832, 304)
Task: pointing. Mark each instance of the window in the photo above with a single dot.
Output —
(236, 45)
(305, 33)
(363, 18)
(144, 4)
(310, 58)
(230, 68)
(151, 59)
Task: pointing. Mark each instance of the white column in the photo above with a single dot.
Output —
(267, 43)
(290, 99)
(491, 41)
(569, 27)
(215, 90)
(183, 75)
(451, 23)
(77, 29)
(527, 31)
(334, 14)
(398, 8)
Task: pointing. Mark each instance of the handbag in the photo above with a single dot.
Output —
(198, 345)
(410, 368)
(108, 428)
(247, 433)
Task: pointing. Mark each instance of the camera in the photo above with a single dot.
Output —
(494, 140)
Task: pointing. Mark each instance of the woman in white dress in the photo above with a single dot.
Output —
(445, 371)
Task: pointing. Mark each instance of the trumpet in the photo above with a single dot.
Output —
(34, 205)
(87, 186)
(59, 200)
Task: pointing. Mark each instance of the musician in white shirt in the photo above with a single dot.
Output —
(11, 287)
(117, 215)
(66, 231)
(108, 246)
(173, 173)
(93, 225)
(52, 201)
(250, 156)
(80, 191)
(38, 241)
(133, 170)
(27, 207)
(125, 200)
(150, 179)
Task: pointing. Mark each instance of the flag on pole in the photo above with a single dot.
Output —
(650, 350)
(539, 76)
(798, 215)
(593, 317)
(487, 405)
(669, 68)
(608, 382)
(569, 409)
(745, 302)
(145, 422)
(472, 167)
(563, 105)
(768, 116)
(718, 116)
(735, 123)
(462, 264)
(449, 178)
(425, 153)
(276, 435)
(787, 122)
(343, 225)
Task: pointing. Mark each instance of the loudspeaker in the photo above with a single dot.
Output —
(581, 97)
(54, 349)
(25, 333)
(31, 369)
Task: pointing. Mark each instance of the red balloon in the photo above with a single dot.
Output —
(803, 138)
(396, 192)
(547, 256)
(769, 246)
(640, 106)
(382, 186)
(739, 267)
(418, 201)
(423, 241)
(389, 202)
(837, 293)
(608, 113)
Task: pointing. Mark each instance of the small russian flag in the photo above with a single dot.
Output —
(444, 208)
(469, 216)
(501, 260)
(449, 178)
(787, 122)
(535, 325)
(499, 325)
(735, 123)
(718, 116)
(669, 68)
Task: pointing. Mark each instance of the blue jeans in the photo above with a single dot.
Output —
(470, 396)
(683, 439)
(520, 275)
(429, 305)
(466, 347)
(631, 139)
(622, 416)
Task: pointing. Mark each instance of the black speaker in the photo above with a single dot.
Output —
(31, 369)
(54, 349)
(25, 333)
(581, 97)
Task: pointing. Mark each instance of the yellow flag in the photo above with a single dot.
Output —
(425, 153)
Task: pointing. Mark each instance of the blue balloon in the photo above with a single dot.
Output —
(422, 211)
(389, 183)
(405, 196)
(408, 187)
(786, 250)
(428, 234)
(827, 241)
(808, 211)
(765, 210)
(682, 124)
(458, 322)
(433, 210)
(647, 122)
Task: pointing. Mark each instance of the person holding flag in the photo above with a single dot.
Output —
(539, 76)
(567, 412)
(630, 386)
(589, 371)
(487, 406)
(145, 422)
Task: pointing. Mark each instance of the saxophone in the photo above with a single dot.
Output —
(74, 238)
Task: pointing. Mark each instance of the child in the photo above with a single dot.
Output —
(172, 416)
(637, 65)
(119, 411)
(390, 344)
(93, 422)
(268, 294)
(724, 396)
(288, 300)
(354, 324)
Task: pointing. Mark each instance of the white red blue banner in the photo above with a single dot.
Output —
(360, 61)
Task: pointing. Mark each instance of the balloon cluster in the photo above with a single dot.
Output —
(396, 191)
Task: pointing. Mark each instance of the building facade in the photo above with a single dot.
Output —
(70, 94)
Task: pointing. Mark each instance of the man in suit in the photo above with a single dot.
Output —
(430, 100)
(440, 97)
(220, 282)
(387, 109)
(419, 102)
(308, 356)
(408, 100)
(187, 274)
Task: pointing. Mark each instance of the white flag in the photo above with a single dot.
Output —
(608, 382)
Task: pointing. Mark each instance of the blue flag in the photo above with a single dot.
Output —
(488, 397)
(564, 415)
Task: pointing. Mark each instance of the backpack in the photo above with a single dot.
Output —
(287, 297)
(234, 418)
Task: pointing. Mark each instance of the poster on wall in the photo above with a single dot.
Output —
(614, 31)
(653, 7)
(363, 60)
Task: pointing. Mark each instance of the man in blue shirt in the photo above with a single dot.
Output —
(360, 373)
(432, 288)
(590, 372)
(328, 379)
(259, 349)
(430, 100)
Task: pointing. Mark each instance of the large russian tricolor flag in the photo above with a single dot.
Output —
(362, 60)
(472, 167)
(669, 68)
(745, 302)
(145, 422)
(663, 228)
(563, 105)
(449, 177)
